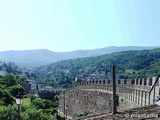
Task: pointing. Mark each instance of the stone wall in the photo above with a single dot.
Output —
(79, 101)
(96, 96)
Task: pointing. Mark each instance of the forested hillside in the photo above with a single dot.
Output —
(39, 57)
(129, 64)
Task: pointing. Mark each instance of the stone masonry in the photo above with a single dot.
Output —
(96, 96)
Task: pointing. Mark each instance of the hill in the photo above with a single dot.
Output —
(130, 64)
(39, 57)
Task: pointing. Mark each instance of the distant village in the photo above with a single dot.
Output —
(31, 86)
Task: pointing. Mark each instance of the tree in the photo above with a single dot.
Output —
(39, 103)
(14, 90)
(34, 114)
(8, 80)
(8, 113)
(21, 79)
(6, 97)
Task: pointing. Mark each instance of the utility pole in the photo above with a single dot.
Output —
(114, 88)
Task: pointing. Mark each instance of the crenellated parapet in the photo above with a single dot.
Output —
(133, 89)
(141, 83)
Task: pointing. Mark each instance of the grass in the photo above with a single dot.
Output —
(26, 101)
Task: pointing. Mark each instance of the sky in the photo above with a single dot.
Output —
(67, 25)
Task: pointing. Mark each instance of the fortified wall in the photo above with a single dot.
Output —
(81, 101)
(95, 96)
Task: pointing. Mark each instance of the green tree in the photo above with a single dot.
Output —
(21, 79)
(5, 97)
(34, 114)
(8, 112)
(39, 103)
(14, 90)
(8, 80)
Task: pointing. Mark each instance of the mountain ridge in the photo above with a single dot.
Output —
(38, 57)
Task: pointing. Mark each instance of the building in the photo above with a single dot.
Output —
(47, 92)
(27, 86)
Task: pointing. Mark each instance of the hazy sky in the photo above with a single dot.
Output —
(66, 25)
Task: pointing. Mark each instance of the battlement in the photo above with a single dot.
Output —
(129, 82)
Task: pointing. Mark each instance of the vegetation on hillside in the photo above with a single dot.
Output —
(34, 109)
(9, 88)
(129, 64)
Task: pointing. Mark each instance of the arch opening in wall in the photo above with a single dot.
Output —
(92, 81)
(125, 81)
(99, 81)
(104, 82)
(96, 81)
(87, 82)
(132, 81)
(108, 81)
(145, 81)
(150, 81)
(119, 82)
(140, 81)
(136, 81)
